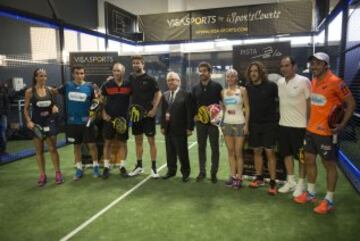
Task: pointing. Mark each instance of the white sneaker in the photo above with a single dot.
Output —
(288, 187)
(299, 189)
(154, 174)
(136, 171)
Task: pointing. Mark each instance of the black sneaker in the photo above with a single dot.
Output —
(230, 182)
(201, 177)
(106, 173)
(123, 172)
(214, 178)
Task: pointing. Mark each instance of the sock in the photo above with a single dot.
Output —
(291, 178)
(329, 196)
(139, 163)
(79, 165)
(301, 181)
(153, 165)
(95, 163)
(122, 164)
(311, 188)
(107, 163)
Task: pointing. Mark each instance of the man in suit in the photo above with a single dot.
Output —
(176, 124)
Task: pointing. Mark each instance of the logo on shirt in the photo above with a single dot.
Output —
(76, 96)
(43, 103)
(318, 99)
(229, 101)
(344, 89)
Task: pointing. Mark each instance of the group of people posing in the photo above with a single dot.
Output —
(302, 132)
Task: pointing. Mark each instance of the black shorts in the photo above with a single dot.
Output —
(263, 135)
(49, 126)
(291, 140)
(322, 145)
(77, 134)
(109, 132)
(145, 126)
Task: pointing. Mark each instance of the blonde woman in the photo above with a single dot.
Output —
(236, 113)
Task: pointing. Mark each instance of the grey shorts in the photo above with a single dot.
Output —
(235, 130)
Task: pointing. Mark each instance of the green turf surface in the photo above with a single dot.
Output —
(162, 209)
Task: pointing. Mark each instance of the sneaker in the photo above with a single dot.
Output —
(59, 178)
(78, 174)
(137, 170)
(237, 183)
(324, 207)
(154, 173)
(200, 177)
(96, 171)
(230, 182)
(299, 189)
(123, 172)
(256, 183)
(272, 188)
(106, 173)
(305, 197)
(42, 180)
(288, 187)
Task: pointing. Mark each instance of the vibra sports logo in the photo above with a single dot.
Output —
(76, 96)
(318, 99)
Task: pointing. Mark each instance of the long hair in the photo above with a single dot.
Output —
(261, 68)
(35, 74)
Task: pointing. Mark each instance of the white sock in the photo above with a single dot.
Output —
(107, 163)
(329, 196)
(95, 163)
(301, 181)
(79, 165)
(291, 178)
(311, 188)
(122, 163)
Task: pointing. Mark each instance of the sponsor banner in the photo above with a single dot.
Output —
(234, 22)
(97, 64)
(164, 27)
(269, 54)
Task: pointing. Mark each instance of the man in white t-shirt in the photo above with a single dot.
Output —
(294, 98)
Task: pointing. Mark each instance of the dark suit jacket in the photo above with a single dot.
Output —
(181, 115)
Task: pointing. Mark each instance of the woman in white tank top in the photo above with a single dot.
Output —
(236, 114)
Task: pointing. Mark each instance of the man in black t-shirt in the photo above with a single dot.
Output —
(206, 93)
(263, 122)
(116, 93)
(146, 95)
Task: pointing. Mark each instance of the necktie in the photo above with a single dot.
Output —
(171, 100)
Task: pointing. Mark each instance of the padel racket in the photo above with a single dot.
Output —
(94, 107)
(39, 131)
(335, 117)
(136, 113)
(203, 115)
(119, 124)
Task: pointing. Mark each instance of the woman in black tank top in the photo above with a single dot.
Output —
(43, 106)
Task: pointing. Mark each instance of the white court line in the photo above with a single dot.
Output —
(101, 212)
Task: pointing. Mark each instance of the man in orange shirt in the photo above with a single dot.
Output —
(327, 92)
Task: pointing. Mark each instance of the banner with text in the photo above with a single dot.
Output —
(269, 54)
(234, 22)
(97, 65)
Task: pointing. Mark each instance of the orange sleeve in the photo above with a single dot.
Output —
(342, 90)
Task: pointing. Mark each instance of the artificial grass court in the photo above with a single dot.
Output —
(162, 209)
